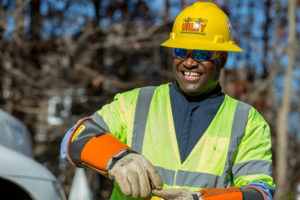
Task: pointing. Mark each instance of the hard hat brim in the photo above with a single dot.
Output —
(201, 45)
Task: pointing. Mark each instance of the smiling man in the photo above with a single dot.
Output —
(184, 140)
(196, 71)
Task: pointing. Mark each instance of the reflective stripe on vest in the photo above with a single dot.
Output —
(187, 178)
(100, 121)
(237, 131)
(141, 115)
(252, 167)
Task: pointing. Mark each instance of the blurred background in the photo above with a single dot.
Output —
(61, 60)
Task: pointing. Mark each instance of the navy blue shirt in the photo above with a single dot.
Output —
(192, 116)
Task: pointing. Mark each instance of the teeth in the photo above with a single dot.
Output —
(191, 73)
(195, 73)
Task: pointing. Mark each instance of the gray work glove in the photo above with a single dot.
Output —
(135, 175)
(177, 194)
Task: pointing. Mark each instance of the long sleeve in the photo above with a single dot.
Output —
(111, 118)
(63, 145)
(252, 165)
(266, 191)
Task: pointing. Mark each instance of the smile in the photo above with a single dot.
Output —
(192, 75)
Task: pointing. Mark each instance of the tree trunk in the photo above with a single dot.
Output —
(18, 14)
(266, 37)
(2, 21)
(97, 4)
(283, 114)
(35, 16)
(167, 13)
(185, 3)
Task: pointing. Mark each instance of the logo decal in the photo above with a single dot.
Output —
(194, 25)
(229, 25)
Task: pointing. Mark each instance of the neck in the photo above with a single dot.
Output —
(217, 91)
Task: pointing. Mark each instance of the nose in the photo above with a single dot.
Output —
(190, 63)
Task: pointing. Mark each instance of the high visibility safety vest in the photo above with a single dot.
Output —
(233, 151)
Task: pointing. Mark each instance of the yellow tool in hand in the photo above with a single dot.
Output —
(156, 198)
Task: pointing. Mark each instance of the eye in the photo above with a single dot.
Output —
(180, 53)
(202, 55)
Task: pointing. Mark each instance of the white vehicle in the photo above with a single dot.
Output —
(21, 177)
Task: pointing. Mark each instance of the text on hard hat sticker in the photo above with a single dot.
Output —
(194, 25)
(229, 25)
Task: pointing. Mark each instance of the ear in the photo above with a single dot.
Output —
(223, 59)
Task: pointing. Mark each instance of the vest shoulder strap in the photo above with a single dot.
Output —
(140, 118)
(238, 128)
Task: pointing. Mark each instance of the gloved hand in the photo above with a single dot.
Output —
(176, 194)
(135, 175)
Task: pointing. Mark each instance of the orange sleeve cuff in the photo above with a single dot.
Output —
(99, 150)
(232, 193)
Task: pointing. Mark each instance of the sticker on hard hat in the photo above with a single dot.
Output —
(194, 25)
(229, 25)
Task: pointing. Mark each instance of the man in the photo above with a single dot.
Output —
(185, 140)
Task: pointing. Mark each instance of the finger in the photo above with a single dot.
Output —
(156, 192)
(133, 179)
(121, 179)
(161, 193)
(145, 188)
(169, 194)
(153, 175)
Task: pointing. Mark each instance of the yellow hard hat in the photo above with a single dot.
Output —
(202, 26)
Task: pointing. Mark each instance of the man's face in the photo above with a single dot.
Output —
(198, 77)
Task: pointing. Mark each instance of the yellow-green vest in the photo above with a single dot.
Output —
(234, 150)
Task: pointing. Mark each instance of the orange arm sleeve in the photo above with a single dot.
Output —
(89, 145)
(232, 193)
